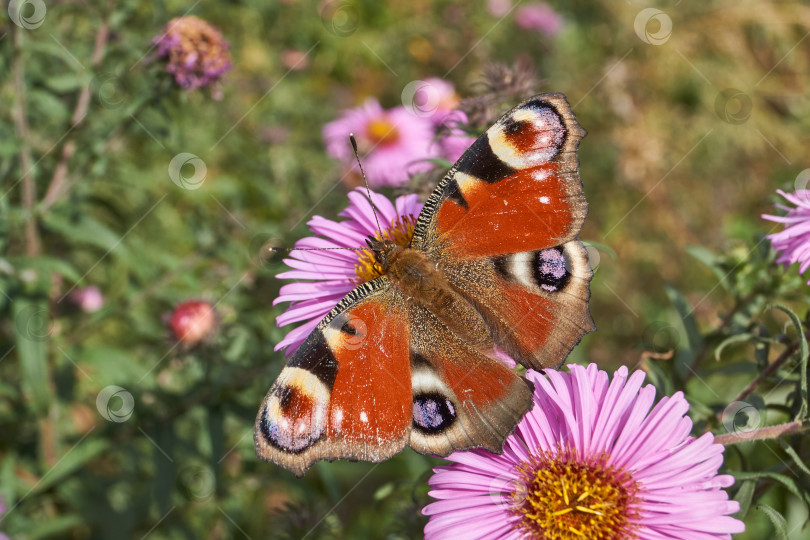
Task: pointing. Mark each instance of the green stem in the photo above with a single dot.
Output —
(29, 190)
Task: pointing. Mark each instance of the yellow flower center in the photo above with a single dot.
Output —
(400, 232)
(381, 132)
(563, 497)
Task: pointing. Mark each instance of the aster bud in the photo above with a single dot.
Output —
(192, 322)
(88, 299)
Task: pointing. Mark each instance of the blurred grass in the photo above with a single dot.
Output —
(662, 170)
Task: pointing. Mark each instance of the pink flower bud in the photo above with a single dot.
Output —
(88, 299)
(192, 321)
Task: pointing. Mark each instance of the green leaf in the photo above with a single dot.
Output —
(31, 331)
(85, 231)
(659, 378)
(744, 496)
(786, 481)
(778, 520)
(73, 459)
(710, 260)
(237, 344)
(794, 456)
(384, 491)
(64, 83)
(684, 359)
(803, 355)
(439, 162)
(55, 527)
(54, 49)
(47, 266)
(731, 340)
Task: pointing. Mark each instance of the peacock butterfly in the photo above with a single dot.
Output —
(408, 358)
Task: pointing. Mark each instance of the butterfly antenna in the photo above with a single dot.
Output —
(368, 189)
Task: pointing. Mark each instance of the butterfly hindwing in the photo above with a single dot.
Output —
(535, 303)
(461, 397)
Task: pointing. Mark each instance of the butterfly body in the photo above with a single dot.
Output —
(409, 358)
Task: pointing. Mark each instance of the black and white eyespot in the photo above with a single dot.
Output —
(295, 411)
(530, 136)
(433, 412)
(551, 269)
(548, 269)
(433, 407)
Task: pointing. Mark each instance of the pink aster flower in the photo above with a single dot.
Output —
(453, 140)
(793, 243)
(331, 274)
(393, 144)
(499, 8)
(431, 98)
(593, 459)
(196, 51)
(539, 16)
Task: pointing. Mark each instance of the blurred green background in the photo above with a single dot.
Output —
(690, 132)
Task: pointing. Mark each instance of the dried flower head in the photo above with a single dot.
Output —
(500, 84)
(196, 52)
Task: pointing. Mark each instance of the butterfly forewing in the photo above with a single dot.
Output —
(515, 189)
(346, 392)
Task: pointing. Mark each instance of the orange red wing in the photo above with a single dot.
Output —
(380, 373)
(503, 226)
(515, 189)
(346, 393)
